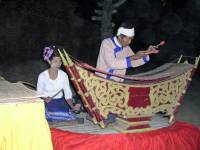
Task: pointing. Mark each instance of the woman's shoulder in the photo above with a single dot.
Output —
(44, 73)
(62, 73)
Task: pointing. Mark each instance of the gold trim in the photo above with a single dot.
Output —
(70, 63)
(119, 120)
(133, 116)
(94, 108)
(102, 125)
(2, 78)
(94, 120)
(197, 61)
(171, 119)
(184, 91)
(86, 94)
(63, 58)
(180, 58)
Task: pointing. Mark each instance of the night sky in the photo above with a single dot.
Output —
(27, 26)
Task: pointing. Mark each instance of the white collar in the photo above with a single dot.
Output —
(116, 42)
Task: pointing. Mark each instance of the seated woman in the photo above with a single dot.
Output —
(54, 84)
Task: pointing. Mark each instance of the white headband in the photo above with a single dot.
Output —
(126, 32)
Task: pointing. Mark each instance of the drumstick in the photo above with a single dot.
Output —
(157, 46)
(160, 44)
(56, 93)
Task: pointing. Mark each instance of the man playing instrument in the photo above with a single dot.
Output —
(116, 56)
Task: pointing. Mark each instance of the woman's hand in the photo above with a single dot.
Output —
(76, 107)
(48, 99)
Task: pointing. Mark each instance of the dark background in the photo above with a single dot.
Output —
(27, 26)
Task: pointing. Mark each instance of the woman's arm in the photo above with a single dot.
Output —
(68, 93)
(40, 87)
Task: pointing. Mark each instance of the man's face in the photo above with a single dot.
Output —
(125, 40)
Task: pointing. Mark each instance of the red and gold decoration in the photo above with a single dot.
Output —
(134, 102)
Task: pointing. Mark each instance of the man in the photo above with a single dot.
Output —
(116, 56)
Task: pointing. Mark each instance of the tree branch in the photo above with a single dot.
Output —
(114, 11)
(95, 18)
(113, 24)
(100, 4)
(119, 3)
(99, 12)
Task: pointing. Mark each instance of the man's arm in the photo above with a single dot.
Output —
(137, 59)
(111, 60)
(142, 57)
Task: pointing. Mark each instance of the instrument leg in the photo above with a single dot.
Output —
(171, 118)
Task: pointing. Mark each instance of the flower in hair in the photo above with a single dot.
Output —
(48, 51)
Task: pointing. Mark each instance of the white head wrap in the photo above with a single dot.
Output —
(126, 32)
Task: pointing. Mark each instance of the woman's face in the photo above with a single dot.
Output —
(56, 62)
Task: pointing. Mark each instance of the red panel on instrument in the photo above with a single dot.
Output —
(74, 71)
(139, 97)
(98, 116)
(90, 102)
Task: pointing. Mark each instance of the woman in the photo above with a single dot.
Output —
(54, 84)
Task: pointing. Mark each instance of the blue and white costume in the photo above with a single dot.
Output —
(59, 89)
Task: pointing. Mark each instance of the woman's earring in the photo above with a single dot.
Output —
(49, 61)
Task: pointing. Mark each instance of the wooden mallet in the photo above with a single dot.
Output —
(157, 46)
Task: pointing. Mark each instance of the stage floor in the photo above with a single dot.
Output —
(89, 127)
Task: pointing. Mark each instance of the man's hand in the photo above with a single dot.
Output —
(152, 50)
(138, 55)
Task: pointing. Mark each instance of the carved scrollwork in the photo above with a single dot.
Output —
(113, 97)
(165, 96)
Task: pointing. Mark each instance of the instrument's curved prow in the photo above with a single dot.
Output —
(134, 102)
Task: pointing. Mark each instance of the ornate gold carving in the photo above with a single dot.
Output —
(165, 96)
(110, 96)
(67, 62)
(197, 59)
